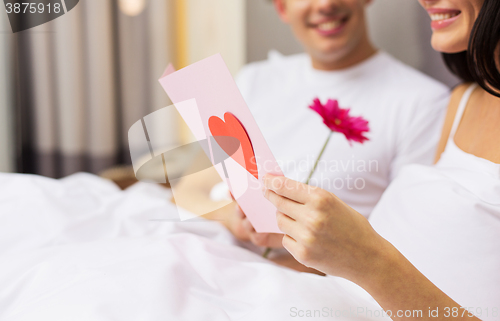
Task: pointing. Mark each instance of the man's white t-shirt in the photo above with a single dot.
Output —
(404, 107)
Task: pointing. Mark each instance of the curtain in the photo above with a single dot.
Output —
(83, 79)
(6, 96)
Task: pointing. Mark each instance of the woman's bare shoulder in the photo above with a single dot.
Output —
(456, 96)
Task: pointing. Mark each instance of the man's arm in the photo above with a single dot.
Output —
(193, 194)
(418, 134)
(193, 191)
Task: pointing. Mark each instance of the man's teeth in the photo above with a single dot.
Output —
(329, 25)
(442, 16)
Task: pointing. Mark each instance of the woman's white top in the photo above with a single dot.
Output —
(446, 220)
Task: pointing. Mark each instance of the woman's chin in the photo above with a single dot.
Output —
(446, 44)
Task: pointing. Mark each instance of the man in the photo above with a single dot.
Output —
(404, 107)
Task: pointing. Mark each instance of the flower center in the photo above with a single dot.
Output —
(337, 121)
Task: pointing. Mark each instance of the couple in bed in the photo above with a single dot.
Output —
(433, 239)
(80, 249)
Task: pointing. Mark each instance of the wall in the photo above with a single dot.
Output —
(402, 28)
(265, 31)
(217, 26)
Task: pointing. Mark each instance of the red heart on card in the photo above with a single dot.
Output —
(232, 127)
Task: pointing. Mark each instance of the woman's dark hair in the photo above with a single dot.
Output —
(478, 63)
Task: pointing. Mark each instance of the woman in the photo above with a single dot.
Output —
(445, 219)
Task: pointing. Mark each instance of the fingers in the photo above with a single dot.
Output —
(272, 240)
(240, 233)
(262, 239)
(297, 250)
(247, 225)
(239, 212)
(239, 225)
(284, 205)
(286, 224)
(289, 243)
(288, 188)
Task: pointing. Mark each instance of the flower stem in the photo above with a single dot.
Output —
(266, 252)
(319, 157)
(268, 249)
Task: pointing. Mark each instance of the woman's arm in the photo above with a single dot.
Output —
(399, 287)
(324, 233)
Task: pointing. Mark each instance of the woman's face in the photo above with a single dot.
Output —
(452, 22)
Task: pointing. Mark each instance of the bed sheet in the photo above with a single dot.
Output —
(79, 248)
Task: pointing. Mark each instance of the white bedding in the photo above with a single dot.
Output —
(81, 249)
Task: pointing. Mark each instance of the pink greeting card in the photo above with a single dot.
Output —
(206, 96)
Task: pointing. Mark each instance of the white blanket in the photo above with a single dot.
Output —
(81, 249)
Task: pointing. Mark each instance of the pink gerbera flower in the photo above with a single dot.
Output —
(339, 120)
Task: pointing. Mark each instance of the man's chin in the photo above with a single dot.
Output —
(330, 53)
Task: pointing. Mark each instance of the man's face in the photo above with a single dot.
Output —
(329, 29)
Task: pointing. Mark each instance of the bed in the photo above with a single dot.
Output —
(79, 248)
